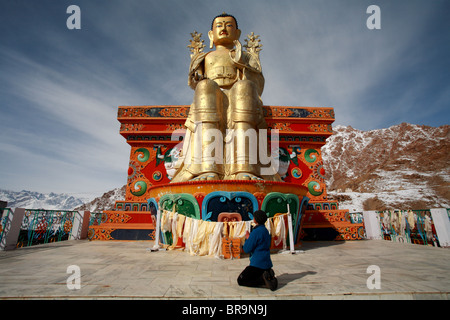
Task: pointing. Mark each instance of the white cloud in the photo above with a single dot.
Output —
(85, 142)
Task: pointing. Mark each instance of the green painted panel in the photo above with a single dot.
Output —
(185, 204)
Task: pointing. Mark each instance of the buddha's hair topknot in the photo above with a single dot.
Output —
(224, 14)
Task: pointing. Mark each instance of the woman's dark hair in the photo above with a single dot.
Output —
(260, 217)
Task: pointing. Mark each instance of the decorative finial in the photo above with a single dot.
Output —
(196, 45)
(253, 45)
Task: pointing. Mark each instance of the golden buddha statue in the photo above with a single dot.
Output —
(228, 84)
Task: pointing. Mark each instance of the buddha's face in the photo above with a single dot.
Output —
(224, 31)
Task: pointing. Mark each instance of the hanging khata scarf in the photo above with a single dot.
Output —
(205, 237)
(215, 241)
(280, 230)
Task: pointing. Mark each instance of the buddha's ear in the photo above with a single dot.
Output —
(238, 33)
(210, 36)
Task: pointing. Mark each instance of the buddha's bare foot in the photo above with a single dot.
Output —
(182, 176)
(207, 176)
(243, 176)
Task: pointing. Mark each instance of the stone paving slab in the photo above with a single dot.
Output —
(127, 270)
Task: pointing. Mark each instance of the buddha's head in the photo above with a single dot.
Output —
(224, 30)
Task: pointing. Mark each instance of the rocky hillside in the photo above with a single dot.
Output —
(105, 202)
(402, 167)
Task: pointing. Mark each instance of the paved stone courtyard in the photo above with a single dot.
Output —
(325, 270)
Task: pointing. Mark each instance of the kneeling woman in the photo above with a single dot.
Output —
(259, 272)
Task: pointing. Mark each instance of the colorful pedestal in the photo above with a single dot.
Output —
(151, 133)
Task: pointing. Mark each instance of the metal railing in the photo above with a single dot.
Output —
(43, 226)
(6, 217)
(410, 226)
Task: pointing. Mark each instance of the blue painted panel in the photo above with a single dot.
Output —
(241, 202)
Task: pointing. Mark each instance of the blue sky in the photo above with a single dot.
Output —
(60, 88)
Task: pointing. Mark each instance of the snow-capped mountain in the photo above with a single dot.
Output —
(405, 166)
(49, 201)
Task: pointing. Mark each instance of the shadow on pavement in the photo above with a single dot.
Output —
(285, 278)
(311, 245)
